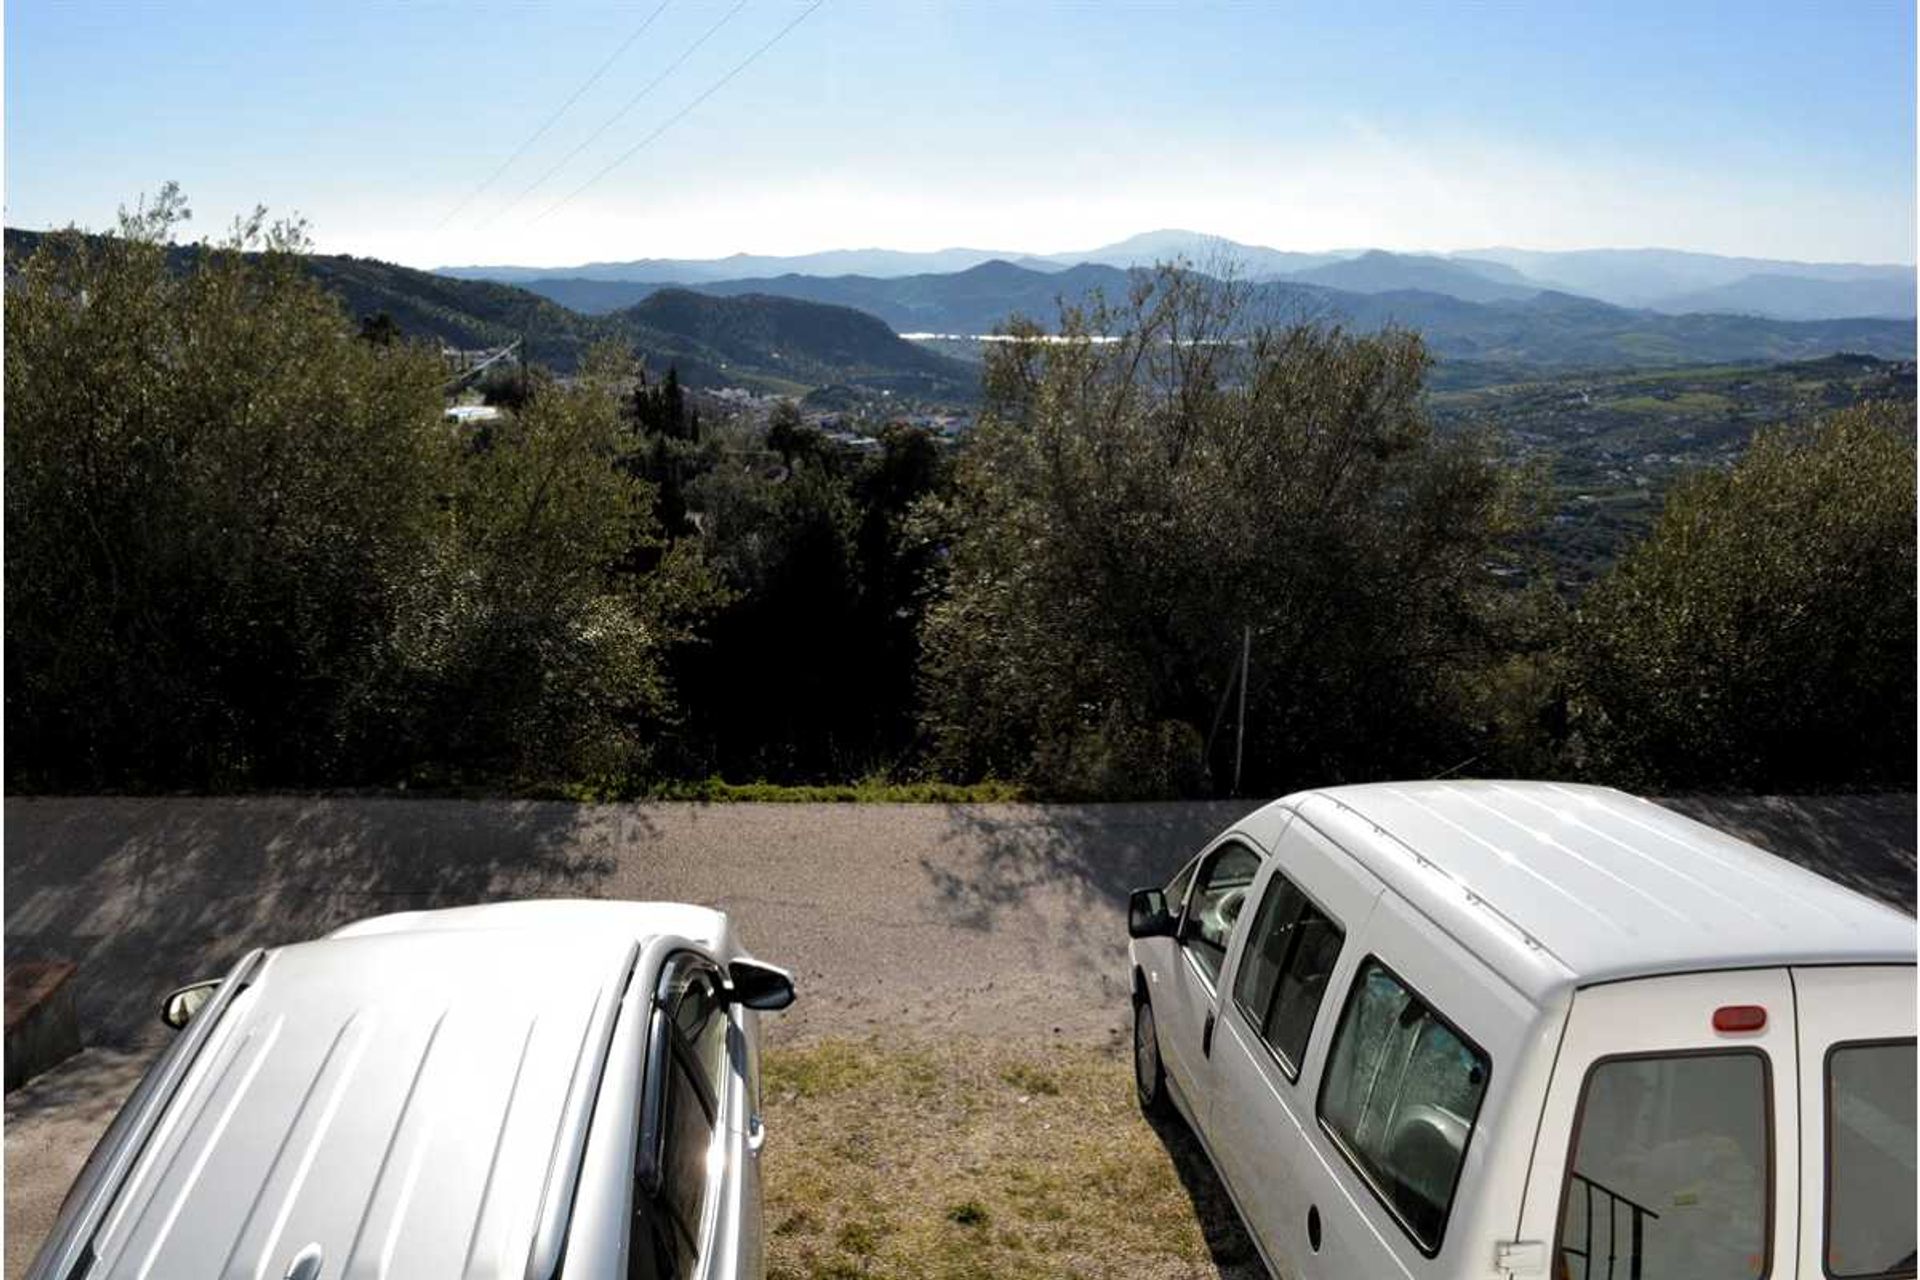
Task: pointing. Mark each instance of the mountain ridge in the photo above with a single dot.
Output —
(1671, 280)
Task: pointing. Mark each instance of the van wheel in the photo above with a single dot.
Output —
(1149, 1076)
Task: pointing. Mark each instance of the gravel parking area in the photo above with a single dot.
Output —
(999, 921)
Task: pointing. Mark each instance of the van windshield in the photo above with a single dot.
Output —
(1870, 1160)
(1669, 1177)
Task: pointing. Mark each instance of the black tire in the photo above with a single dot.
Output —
(1149, 1073)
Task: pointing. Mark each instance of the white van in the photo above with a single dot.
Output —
(1516, 1029)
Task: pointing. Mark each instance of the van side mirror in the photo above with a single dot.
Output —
(180, 1006)
(1147, 914)
(758, 986)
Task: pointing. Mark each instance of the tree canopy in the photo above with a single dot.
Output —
(1763, 636)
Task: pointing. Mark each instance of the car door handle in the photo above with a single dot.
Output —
(1206, 1036)
(756, 1134)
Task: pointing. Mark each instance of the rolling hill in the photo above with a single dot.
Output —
(767, 343)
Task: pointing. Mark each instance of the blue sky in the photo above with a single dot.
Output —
(1773, 129)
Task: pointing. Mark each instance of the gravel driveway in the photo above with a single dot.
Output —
(992, 920)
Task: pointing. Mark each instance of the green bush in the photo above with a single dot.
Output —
(1763, 635)
(244, 548)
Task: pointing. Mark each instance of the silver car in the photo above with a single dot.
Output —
(527, 1090)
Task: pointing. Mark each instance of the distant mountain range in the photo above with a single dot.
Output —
(1665, 280)
(793, 333)
(1507, 324)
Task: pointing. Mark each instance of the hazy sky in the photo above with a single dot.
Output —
(1775, 129)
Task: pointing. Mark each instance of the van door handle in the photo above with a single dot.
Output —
(756, 1134)
(1206, 1036)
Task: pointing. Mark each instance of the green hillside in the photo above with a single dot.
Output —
(780, 345)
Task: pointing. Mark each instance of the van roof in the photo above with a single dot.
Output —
(401, 1094)
(1556, 884)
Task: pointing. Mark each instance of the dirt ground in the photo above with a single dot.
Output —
(994, 921)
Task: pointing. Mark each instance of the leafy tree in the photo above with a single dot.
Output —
(1168, 477)
(791, 438)
(1763, 635)
(244, 549)
(379, 329)
(212, 497)
(522, 649)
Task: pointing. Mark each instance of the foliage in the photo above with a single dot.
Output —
(211, 496)
(807, 674)
(1763, 636)
(244, 549)
(1132, 507)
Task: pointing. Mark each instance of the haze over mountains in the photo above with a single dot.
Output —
(1669, 281)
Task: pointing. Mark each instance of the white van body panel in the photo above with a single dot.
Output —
(1671, 1016)
(1839, 1006)
(1553, 927)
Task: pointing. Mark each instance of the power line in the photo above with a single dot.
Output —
(631, 103)
(539, 133)
(675, 118)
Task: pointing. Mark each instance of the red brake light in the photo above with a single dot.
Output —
(1740, 1017)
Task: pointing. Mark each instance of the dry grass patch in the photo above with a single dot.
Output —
(967, 1159)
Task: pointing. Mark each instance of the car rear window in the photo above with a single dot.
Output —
(1670, 1177)
(1401, 1093)
(1870, 1160)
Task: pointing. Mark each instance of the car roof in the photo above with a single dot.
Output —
(403, 1094)
(1556, 884)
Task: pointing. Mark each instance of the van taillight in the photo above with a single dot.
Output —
(1739, 1017)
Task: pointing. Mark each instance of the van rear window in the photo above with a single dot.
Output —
(1670, 1177)
(1870, 1160)
(1401, 1092)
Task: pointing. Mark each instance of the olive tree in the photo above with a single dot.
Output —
(1168, 479)
(212, 490)
(1762, 636)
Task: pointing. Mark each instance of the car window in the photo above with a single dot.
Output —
(1669, 1176)
(1400, 1096)
(1870, 1160)
(701, 1020)
(693, 1077)
(1290, 952)
(1218, 895)
(1178, 886)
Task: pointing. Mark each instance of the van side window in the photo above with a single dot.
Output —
(1290, 953)
(1400, 1095)
(1219, 893)
(1870, 1159)
(1670, 1174)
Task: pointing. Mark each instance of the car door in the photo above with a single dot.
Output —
(1184, 1004)
(1284, 989)
(1669, 1143)
(1857, 1186)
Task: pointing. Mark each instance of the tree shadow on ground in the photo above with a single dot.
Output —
(147, 894)
(1094, 852)
(1864, 842)
(1231, 1248)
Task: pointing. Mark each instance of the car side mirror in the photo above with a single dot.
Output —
(1147, 914)
(758, 986)
(178, 1008)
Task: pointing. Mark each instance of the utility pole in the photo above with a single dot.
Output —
(1240, 733)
